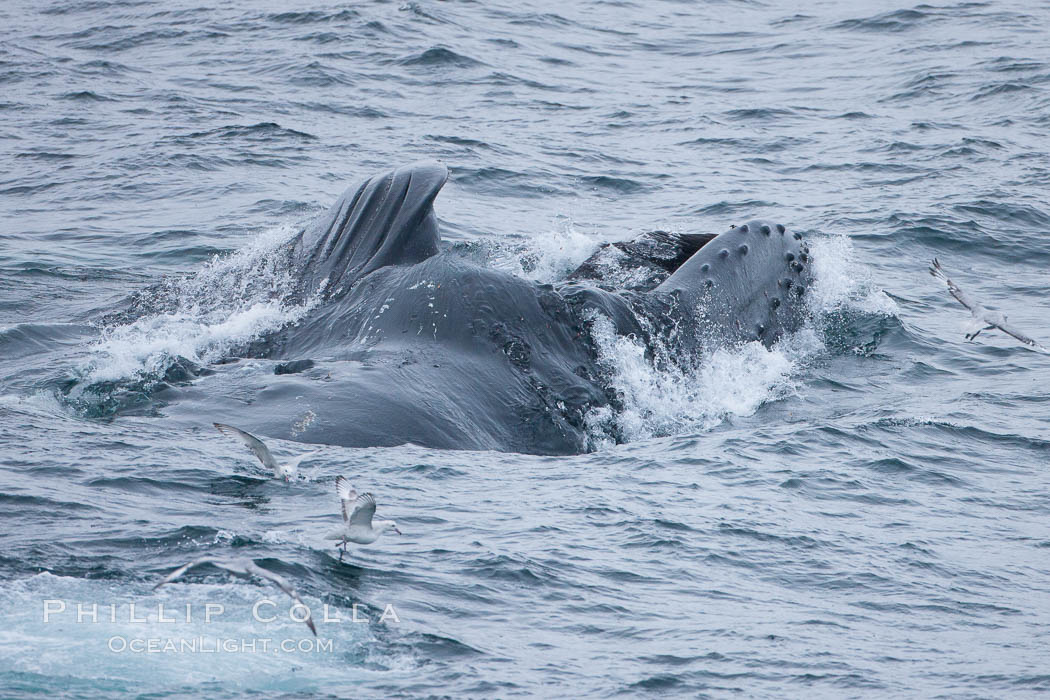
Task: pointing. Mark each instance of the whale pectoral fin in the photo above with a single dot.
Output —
(748, 281)
(386, 220)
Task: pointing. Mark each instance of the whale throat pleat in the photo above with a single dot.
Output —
(386, 220)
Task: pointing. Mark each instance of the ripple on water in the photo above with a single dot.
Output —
(826, 518)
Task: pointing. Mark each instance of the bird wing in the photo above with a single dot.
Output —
(253, 568)
(244, 567)
(293, 463)
(1008, 328)
(253, 443)
(183, 569)
(347, 495)
(364, 509)
(965, 299)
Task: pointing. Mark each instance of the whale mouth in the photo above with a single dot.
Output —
(640, 264)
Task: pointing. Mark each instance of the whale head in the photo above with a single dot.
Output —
(748, 282)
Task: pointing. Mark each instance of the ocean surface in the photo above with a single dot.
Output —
(861, 511)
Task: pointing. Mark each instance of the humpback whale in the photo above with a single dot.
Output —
(410, 340)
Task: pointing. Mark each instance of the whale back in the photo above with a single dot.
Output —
(386, 220)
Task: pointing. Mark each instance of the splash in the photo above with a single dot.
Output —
(842, 283)
(658, 398)
(660, 393)
(551, 257)
(232, 300)
(303, 423)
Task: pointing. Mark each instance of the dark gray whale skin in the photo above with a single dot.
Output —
(412, 344)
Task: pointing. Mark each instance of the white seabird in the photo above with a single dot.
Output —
(984, 319)
(244, 567)
(281, 471)
(357, 518)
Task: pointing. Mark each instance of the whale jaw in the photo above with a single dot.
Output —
(749, 282)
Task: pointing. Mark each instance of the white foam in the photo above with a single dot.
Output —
(841, 282)
(40, 402)
(694, 396)
(550, 257)
(232, 299)
(91, 648)
(661, 394)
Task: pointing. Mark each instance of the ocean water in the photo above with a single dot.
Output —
(860, 511)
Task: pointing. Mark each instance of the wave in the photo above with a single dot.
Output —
(440, 56)
(896, 21)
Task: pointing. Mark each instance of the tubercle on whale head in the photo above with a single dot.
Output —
(753, 244)
(748, 280)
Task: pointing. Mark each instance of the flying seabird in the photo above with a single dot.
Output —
(259, 449)
(984, 319)
(357, 518)
(243, 567)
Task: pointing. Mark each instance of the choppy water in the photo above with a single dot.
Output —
(862, 511)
